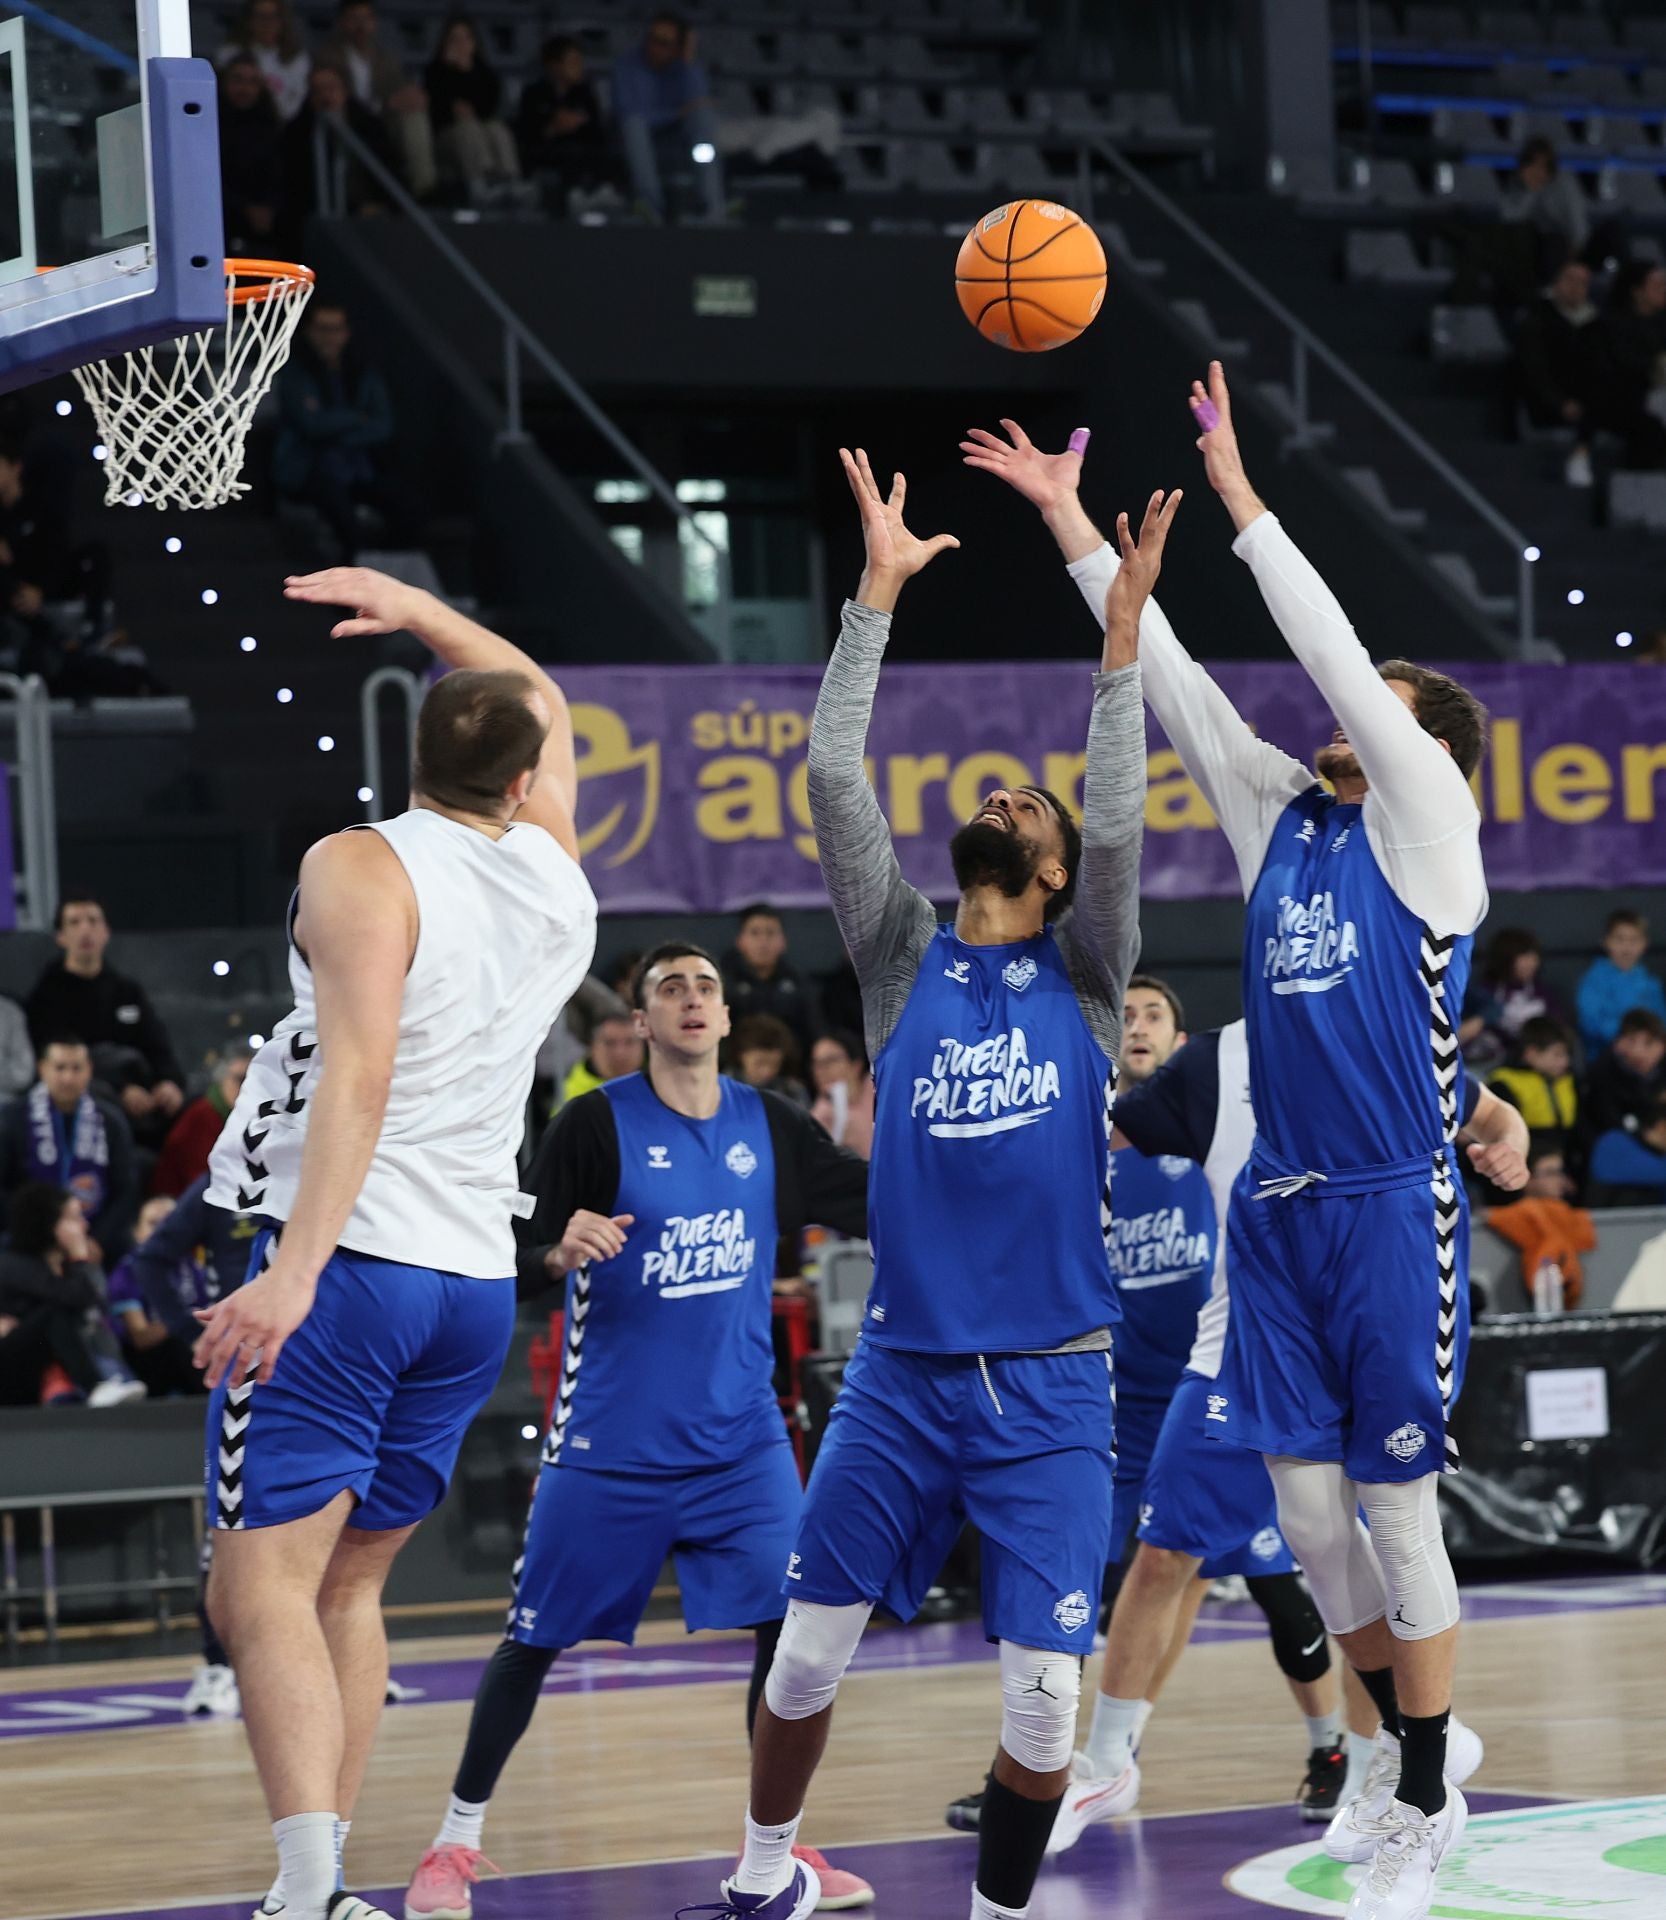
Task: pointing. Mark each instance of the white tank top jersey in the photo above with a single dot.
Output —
(1229, 1148)
(506, 932)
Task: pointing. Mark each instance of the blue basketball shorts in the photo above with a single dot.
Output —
(918, 1444)
(1215, 1503)
(1349, 1328)
(372, 1394)
(595, 1544)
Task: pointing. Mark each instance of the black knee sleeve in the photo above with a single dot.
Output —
(1300, 1645)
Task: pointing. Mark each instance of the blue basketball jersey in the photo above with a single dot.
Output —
(1161, 1231)
(668, 1364)
(1352, 1005)
(989, 1158)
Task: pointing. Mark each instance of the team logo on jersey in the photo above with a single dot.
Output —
(1341, 840)
(1217, 1408)
(1311, 950)
(1266, 1544)
(1307, 830)
(1073, 1612)
(1407, 1442)
(1146, 1511)
(793, 1562)
(701, 1253)
(1020, 973)
(527, 1618)
(981, 1087)
(1156, 1249)
(659, 1156)
(876, 1313)
(1175, 1165)
(959, 971)
(741, 1159)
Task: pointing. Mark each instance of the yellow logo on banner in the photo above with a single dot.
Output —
(603, 745)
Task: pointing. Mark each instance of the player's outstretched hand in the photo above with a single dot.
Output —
(1502, 1163)
(244, 1333)
(894, 554)
(1217, 441)
(592, 1236)
(1142, 561)
(380, 603)
(1045, 479)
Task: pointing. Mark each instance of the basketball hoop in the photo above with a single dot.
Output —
(173, 418)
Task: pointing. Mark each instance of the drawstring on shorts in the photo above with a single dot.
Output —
(983, 1368)
(1287, 1186)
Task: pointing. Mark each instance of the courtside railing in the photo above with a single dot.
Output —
(407, 691)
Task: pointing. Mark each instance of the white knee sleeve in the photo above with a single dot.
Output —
(811, 1656)
(1318, 1514)
(1405, 1530)
(1039, 1696)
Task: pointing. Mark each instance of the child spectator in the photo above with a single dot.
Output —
(1539, 1084)
(758, 977)
(191, 1139)
(157, 1355)
(1506, 991)
(267, 34)
(844, 1102)
(1628, 1164)
(615, 1049)
(1542, 1226)
(559, 127)
(62, 1134)
(1612, 986)
(52, 1306)
(464, 94)
(764, 1054)
(1624, 1083)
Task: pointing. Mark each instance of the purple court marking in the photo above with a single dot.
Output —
(1137, 1870)
(108, 1706)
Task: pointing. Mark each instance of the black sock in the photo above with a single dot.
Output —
(1380, 1686)
(1012, 1838)
(504, 1704)
(1423, 1761)
(766, 1638)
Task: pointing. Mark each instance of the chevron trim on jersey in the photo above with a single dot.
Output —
(577, 1314)
(1434, 958)
(234, 1439)
(251, 1190)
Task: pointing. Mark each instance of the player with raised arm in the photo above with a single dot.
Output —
(375, 1138)
(1349, 1261)
(981, 1385)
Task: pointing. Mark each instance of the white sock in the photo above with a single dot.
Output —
(767, 1864)
(306, 1864)
(1110, 1747)
(343, 1828)
(1323, 1730)
(983, 1908)
(1360, 1751)
(1147, 1709)
(462, 1823)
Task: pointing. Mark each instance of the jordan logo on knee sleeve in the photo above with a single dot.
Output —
(1400, 1619)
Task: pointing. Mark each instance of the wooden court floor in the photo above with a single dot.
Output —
(1571, 1704)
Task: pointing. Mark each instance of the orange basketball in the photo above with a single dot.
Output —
(1031, 275)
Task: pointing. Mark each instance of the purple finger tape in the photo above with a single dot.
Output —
(1207, 415)
(1079, 439)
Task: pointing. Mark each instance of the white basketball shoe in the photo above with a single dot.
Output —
(1357, 1826)
(1401, 1882)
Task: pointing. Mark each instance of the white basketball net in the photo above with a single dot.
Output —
(173, 418)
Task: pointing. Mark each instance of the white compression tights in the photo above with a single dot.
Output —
(1399, 1569)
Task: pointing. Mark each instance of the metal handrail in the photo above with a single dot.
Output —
(1304, 342)
(409, 688)
(518, 337)
(37, 798)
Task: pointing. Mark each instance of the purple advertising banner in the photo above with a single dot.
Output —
(693, 788)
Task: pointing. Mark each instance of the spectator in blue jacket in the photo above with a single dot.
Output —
(662, 101)
(1612, 986)
(335, 429)
(1628, 1166)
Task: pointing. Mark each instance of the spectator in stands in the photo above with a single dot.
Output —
(1547, 1176)
(62, 1133)
(330, 99)
(1539, 1082)
(1547, 201)
(1506, 991)
(191, 1138)
(378, 82)
(763, 1053)
(1628, 1164)
(251, 157)
(154, 1353)
(758, 978)
(1553, 353)
(844, 1102)
(1627, 344)
(1612, 986)
(1625, 1082)
(17, 1052)
(1542, 1225)
(464, 95)
(615, 1049)
(335, 431)
(666, 122)
(79, 994)
(268, 35)
(52, 1307)
(559, 127)
(54, 589)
